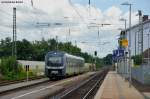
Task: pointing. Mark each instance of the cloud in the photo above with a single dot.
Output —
(74, 16)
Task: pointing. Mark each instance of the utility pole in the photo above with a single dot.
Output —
(14, 45)
(140, 34)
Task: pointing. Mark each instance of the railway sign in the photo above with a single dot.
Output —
(117, 54)
(124, 42)
(114, 56)
(121, 52)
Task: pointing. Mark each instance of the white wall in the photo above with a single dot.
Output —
(135, 30)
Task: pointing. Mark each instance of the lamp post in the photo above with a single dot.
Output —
(129, 46)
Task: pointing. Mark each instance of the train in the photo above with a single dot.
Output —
(61, 64)
(65, 65)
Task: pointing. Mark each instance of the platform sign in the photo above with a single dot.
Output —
(117, 54)
(124, 42)
(120, 53)
(114, 56)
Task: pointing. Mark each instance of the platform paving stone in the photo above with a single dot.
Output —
(115, 87)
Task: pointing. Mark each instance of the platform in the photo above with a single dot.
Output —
(115, 87)
(21, 85)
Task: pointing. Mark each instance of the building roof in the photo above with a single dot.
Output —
(134, 26)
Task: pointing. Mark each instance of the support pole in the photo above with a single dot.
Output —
(14, 45)
(130, 79)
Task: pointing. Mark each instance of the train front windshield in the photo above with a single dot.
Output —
(55, 61)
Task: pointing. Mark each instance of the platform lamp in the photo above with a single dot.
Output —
(129, 46)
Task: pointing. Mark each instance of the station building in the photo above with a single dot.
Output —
(140, 45)
(140, 33)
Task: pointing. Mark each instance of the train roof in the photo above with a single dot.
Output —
(76, 57)
(53, 52)
(67, 54)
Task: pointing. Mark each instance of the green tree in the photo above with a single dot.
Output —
(36, 50)
(5, 47)
(108, 59)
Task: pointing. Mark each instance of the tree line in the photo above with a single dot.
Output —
(36, 50)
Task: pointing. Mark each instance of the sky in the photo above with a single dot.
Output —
(78, 22)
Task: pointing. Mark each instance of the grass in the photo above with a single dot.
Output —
(11, 70)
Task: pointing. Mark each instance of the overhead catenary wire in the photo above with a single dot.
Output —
(8, 14)
(74, 8)
(19, 18)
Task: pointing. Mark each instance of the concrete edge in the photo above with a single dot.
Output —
(100, 90)
(23, 86)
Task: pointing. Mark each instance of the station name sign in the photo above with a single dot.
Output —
(12, 1)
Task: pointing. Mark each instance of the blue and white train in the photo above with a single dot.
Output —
(61, 64)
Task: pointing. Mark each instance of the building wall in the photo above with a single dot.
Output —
(37, 67)
(134, 34)
(141, 74)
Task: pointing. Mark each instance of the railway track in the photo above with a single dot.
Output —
(7, 82)
(84, 90)
(42, 90)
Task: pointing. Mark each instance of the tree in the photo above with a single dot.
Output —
(108, 59)
(37, 50)
(6, 47)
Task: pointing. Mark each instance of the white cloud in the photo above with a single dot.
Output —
(54, 11)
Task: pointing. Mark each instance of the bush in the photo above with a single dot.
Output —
(137, 59)
(8, 65)
(10, 69)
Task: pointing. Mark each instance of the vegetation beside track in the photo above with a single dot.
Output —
(10, 69)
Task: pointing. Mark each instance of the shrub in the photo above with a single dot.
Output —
(137, 59)
(9, 68)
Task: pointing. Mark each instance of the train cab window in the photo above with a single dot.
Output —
(55, 59)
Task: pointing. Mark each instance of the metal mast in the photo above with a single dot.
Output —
(140, 34)
(14, 45)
